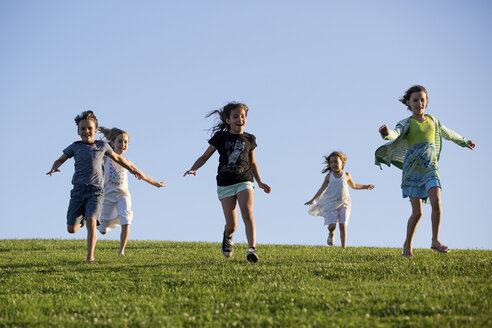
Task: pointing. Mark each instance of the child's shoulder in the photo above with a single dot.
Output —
(100, 143)
(249, 135)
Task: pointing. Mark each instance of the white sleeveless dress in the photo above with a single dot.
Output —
(335, 196)
(117, 203)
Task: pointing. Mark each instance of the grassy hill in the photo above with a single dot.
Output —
(184, 284)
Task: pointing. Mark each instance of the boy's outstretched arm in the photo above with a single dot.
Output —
(126, 164)
(354, 185)
(57, 164)
(201, 160)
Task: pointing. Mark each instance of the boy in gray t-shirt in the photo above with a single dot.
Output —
(87, 195)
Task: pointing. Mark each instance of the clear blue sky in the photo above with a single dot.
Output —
(317, 76)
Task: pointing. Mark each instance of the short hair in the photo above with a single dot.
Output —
(87, 115)
(408, 94)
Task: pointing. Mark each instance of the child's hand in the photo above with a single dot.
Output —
(190, 172)
(370, 187)
(266, 188)
(471, 144)
(311, 202)
(57, 170)
(384, 131)
(160, 184)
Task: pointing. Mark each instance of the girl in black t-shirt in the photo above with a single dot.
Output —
(235, 174)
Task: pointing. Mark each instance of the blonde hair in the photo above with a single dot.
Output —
(339, 154)
(111, 134)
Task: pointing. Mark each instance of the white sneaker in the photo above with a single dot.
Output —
(251, 255)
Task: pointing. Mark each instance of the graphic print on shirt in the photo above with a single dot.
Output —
(115, 174)
(234, 150)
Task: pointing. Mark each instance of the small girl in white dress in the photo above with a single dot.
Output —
(334, 205)
(117, 203)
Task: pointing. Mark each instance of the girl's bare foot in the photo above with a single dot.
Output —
(407, 251)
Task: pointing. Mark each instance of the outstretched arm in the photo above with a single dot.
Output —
(388, 134)
(148, 179)
(57, 164)
(201, 160)
(354, 185)
(450, 135)
(320, 190)
(153, 182)
(256, 174)
(126, 164)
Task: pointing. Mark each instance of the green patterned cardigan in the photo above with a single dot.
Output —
(394, 151)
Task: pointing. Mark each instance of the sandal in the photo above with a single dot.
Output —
(441, 248)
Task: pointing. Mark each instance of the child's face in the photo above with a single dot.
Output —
(120, 144)
(417, 102)
(336, 164)
(87, 131)
(237, 120)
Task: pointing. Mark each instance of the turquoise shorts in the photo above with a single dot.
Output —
(232, 190)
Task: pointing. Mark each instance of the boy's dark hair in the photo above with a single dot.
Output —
(339, 154)
(87, 115)
(225, 113)
(408, 94)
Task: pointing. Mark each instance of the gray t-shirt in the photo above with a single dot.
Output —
(89, 162)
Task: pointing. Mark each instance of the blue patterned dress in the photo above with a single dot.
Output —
(420, 169)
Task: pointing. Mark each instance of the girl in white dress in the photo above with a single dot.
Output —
(116, 209)
(334, 204)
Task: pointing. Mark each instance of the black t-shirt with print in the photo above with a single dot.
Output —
(234, 160)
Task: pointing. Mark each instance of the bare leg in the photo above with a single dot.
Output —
(229, 208)
(343, 234)
(412, 225)
(73, 228)
(435, 200)
(331, 234)
(125, 232)
(91, 238)
(245, 199)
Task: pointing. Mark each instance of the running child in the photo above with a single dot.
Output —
(415, 148)
(116, 210)
(334, 204)
(237, 168)
(86, 197)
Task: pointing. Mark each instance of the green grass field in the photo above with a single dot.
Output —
(180, 284)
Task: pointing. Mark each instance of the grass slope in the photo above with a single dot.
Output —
(183, 284)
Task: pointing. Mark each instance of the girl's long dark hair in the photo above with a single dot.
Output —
(340, 155)
(223, 114)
